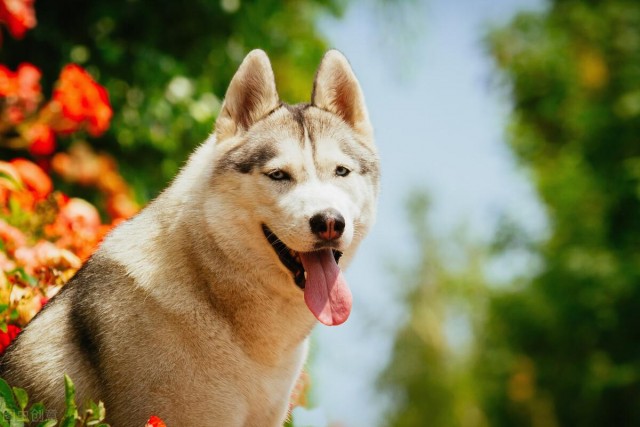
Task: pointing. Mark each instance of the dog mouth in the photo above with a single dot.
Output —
(290, 258)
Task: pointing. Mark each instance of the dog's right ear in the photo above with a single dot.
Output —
(336, 89)
(251, 95)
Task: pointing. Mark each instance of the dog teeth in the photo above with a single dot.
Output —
(295, 255)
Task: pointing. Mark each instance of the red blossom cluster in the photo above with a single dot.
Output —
(8, 336)
(18, 15)
(83, 102)
(78, 103)
(21, 92)
(44, 236)
(84, 166)
(155, 422)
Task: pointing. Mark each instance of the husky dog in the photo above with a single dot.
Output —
(199, 309)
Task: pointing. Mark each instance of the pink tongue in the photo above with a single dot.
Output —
(326, 292)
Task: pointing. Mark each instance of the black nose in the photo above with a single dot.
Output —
(328, 225)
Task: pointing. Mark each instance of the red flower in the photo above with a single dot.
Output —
(18, 15)
(22, 90)
(46, 254)
(155, 422)
(24, 83)
(33, 177)
(28, 85)
(7, 81)
(42, 140)
(7, 337)
(12, 237)
(83, 102)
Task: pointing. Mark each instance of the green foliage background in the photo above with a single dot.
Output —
(575, 74)
(167, 64)
(560, 347)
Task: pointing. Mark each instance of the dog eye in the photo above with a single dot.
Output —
(342, 171)
(279, 175)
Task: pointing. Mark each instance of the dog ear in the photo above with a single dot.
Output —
(336, 89)
(251, 95)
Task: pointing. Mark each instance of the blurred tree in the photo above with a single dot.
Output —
(564, 350)
(561, 348)
(429, 373)
(167, 64)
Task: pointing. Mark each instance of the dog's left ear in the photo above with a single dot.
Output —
(336, 89)
(251, 95)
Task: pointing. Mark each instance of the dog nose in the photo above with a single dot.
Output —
(328, 225)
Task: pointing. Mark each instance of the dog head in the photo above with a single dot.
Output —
(296, 184)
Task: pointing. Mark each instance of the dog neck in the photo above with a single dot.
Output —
(265, 312)
(176, 264)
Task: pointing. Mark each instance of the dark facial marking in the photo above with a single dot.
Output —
(255, 158)
(297, 112)
(247, 157)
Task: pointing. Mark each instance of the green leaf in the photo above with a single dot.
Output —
(68, 421)
(7, 396)
(47, 423)
(17, 421)
(102, 412)
(3, 307)
(93, 408)
(95, 413)
(4, 415)
(3, 326)
(37, 412)
(70, 398)
(11, 179)
(71, 411)
(14, 206)
(21, 396)
(22, 273)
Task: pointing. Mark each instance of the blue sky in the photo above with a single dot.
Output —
(440, 124)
